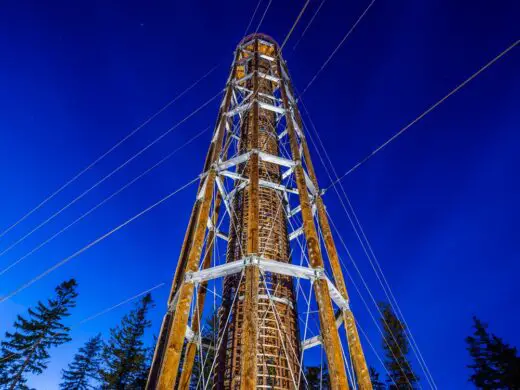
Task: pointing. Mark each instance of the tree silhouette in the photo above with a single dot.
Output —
(126, 359)
(374, 378)
(316, 377)
(395, 344)
(27, 349)
(84, 369)
(496, 365)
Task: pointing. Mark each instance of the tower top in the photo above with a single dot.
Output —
(261, 36)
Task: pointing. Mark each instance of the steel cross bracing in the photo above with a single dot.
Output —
(258, 151)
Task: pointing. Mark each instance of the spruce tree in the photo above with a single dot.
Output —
(84, 369)
(142, 375)
(26, 350)
(395, 345)
(125, 356)
(377, 384)
(496, 365)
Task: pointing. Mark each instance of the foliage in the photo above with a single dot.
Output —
(377, 384)
(126, 359)
(316, 378)
(496, 365)
(395, 345)
(84, 369)
(26, 351)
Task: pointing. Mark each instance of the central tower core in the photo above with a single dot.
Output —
(277, 349)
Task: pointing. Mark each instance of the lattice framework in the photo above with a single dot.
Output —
(259, 169)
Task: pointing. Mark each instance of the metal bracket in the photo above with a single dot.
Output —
(296, 233)
(317, 340)
(190, 335)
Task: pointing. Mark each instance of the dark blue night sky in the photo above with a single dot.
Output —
(439, 205)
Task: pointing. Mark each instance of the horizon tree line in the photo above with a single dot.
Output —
(123, 360)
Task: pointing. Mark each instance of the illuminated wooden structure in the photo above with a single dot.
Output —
(259, 146)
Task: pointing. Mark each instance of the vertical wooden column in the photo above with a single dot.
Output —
(155, 368)
(354, 343)
(191, 349)
(182, 303)
(165, 364)
(248, 366)
(179, 274)
(329, 334)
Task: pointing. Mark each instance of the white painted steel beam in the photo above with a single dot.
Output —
(310, 185)
(233, 161)
(294, 211)
(311, 342)
(337, 297)
(223, 194)
(190, 335)
(218, 233)
(221, 235)
(284, 162)
(285, 75)
(266, 265)
(261, 182)
(266, 76)
(232, 175)
(200, 195)
(270, 107)
(264, 56)
(215, 272)
(245, 78)
(262, 94)
(298, 232)
(287, 173)
(316, 340)
(276, 186)
(238, 110)
(232, 193)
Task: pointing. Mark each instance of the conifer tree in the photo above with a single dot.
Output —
(316, 377)
(125, 356)
(84, 369)
(377, 384)
(26, 350)
(142, 375)
(496, 365)
(395, 344)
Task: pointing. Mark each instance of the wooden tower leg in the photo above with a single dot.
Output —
(191, 349)
(165, 364)
(331, 340)
(182, 303)
(354, 343)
